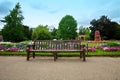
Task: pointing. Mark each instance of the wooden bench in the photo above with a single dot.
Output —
(55, 47)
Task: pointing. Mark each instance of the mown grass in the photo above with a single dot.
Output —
(97, 53)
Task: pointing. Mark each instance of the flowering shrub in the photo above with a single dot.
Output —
(1, 47)
(118, 49)
(93, 49)
(111, 48)
(13, 49)
(106, 48)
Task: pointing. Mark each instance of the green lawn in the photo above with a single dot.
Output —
(97, 53)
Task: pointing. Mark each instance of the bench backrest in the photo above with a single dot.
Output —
(57, 44)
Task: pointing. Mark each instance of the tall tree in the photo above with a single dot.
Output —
(0, 32)
(87, 33)
(81, 30)
(27, 32)
(84, 31)
(117, 35)
(13, 29)
(67, 28)
(106, 27)
(41, 33)
(54, 33)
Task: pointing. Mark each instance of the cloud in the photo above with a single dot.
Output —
(112, 10)
(115, 13)
(5, 7)
(84, 23)
(54, 11)
(115, 10)
(37, 5)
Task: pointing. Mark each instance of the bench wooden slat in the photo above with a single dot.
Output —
(55, 50)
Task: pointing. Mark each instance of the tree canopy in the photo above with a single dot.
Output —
(27, 32)
(81, 30)
(106, 27)
(54, 33)
(41, 33)
(67, 28)
(13, 29)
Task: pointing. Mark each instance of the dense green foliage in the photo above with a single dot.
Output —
(81, 30)
(54, 33)
(84, 31)
(41, 33)
(108, 29)
(112, 43)
(13, 29)
(87, 33)
(117, 34)
(0, 32)
(67, 28)
(27, 33)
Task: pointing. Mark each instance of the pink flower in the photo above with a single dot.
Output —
(13, 49)
(106, 49)
(118, 48)
(91, 49)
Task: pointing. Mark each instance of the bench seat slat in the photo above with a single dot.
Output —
(56, 50)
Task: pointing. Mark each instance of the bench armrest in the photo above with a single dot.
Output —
(29, 46)
(84, 47)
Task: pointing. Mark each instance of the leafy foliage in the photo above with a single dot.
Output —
(27, 32)
(0, 32)
(13, 29)
(81, 30)
(106, 27)
(54, 33)
(67, 28)
(87, 33)
(112, 43)
(84, 31)
(117, 34)
(41, 33)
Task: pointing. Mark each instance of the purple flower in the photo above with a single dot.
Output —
(1, 47)
(113, 49)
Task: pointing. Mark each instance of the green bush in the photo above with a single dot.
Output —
(112, 43)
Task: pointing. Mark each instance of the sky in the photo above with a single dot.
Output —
(50, 12)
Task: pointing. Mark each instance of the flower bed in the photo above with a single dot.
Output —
(111, 46)
(13, 47)
(18, 47)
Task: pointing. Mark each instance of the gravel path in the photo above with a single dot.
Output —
(65, 68)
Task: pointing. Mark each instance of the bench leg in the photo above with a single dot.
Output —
(33, 54)
(28, 55)
(81, 54)
(84, 58)
(55, 56)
